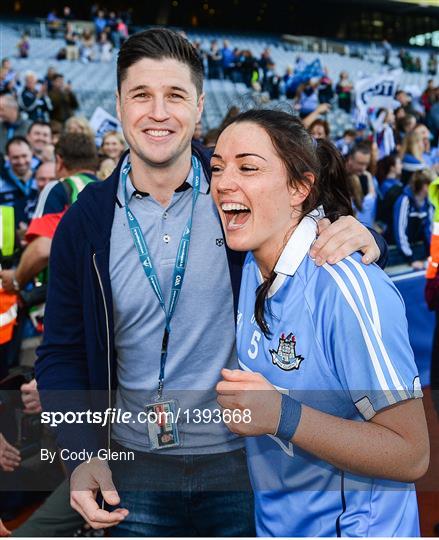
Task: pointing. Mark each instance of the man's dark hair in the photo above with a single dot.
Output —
(16, 140)
(157, 44)
(78, 151)
(38, 123)
(362, 147)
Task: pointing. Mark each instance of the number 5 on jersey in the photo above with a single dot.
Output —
(254, 345)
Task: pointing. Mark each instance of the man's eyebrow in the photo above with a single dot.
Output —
(146, 87)
(216, 155)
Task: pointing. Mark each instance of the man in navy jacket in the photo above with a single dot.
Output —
(104, 323)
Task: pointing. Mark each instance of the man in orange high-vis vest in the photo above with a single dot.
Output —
(8, 301)
(432, 290)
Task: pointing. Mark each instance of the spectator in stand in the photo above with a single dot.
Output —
(307, 99)
(227, 59)
(48, 153)
(387, 50)
(75, 156)
(9, 76)
(105, 48)
(288, 83)
(249, 69)
(72, 43)
(417, 65)
(320, 129)
(106, 167)
(264, 62)
(23, 45)
(12, 123)
(384, 126)
(87, 46)
(412, 218)
(405, 125)
(122, 28)
(362, 182)
(57, 128)
(272, 82)
(34, 99)
(39, 135)
(429, 155)
(412, 150)
(53, 23)
(214, 61)
(113, 145)
(345, 143)
(432, 64)
(18, 187)
(48, 78)
(428, 97)
(406, 103)
(79, 124)
(388, 175)
(100, 23)
(112, 25)
(45, 173)
(343, 90)
(326, 92)
(63, 99)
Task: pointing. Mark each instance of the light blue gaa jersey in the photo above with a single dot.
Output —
(339, 344)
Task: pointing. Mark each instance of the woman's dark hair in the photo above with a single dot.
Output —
(384, 165)
(156, 44)
(301, 154)
(323, 123)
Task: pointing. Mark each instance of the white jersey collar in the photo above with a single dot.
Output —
(299, 244)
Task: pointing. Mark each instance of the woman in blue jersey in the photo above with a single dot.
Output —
(326, 394)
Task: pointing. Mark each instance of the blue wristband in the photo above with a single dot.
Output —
(290, 413)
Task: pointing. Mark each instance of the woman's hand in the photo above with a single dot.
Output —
(254, 400)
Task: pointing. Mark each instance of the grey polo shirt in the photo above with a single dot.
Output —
(202, 339)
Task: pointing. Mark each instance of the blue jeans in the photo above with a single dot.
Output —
(193, 495)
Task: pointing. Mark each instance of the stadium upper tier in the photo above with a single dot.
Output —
(95, 83)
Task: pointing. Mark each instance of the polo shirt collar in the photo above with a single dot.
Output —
(299, 244)
(204, 185)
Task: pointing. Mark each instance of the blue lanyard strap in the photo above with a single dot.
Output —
(148, 265)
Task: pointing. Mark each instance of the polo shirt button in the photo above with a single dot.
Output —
(166, 238)
(165, 215)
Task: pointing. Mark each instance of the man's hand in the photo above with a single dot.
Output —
(6, 280)
(342, 238)
(30, 397)
(241, 391)
(418, 265)
(3, 530)
(87, 479)
(9, 456)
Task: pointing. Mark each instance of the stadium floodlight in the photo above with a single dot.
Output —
(420, 3)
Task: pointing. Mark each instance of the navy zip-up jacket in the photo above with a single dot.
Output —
(76, 363)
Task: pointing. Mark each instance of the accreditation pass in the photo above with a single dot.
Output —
(162, 425)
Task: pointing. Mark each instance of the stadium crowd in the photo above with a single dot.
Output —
(48, 154)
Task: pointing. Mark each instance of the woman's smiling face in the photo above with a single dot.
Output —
(251, 189)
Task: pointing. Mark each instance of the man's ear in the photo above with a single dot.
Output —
(118, 106)
(200, 106)
(59, 166)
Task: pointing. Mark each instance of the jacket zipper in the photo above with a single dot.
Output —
(108, 350)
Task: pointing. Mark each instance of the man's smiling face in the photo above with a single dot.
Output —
(158, 107)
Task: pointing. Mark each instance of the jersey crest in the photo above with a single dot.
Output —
(285, 357)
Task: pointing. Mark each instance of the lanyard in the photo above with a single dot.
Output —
(148, 266)
(24, 187)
